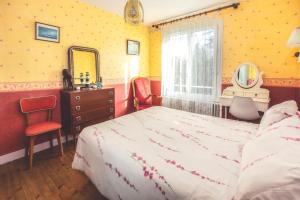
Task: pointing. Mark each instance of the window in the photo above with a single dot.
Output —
(191, 61)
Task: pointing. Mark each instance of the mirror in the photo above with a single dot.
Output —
(247, 75)
(84, 65)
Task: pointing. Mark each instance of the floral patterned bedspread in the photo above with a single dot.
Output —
(162, 153)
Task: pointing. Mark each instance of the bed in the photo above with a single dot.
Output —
(162, 153)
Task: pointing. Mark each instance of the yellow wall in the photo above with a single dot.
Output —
(24, 59)
(258, 32)
(155, 53)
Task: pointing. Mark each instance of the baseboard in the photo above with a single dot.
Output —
(37, 148)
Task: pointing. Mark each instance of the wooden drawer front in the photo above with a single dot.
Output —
(92, 115)
(92, 97)
(78, 128)
(76, 109)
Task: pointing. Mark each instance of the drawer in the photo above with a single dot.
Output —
(93, 97)
(85, 107)
(257, 95)
(78, 128)
(262, 96)
(83, 117)
(233, 93)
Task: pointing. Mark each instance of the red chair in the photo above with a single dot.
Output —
(37, 104)
(142, 94)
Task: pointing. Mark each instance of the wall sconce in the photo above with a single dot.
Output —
(294, 41)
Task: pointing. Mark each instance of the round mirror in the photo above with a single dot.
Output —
(247, 75)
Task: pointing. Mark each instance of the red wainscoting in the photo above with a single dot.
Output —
(12, 122)
(280, 94)
(277, 94)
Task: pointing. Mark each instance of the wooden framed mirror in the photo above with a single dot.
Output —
(84, 65)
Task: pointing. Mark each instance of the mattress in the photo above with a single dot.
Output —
(162, 153)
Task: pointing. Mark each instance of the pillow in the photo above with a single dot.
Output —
(270, 166)
(277, 113)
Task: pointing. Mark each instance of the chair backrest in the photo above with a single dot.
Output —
(244, 108)
(35, 104)
(142, 90)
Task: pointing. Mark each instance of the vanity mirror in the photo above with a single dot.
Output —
(246, 75)
(84, 65)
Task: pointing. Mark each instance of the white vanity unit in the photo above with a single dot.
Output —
(247, 81)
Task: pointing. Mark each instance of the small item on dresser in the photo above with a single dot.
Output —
(81, 78)
(92, 86)
(67, 80)
(99, 83)
(87, 80)
(87, 77)
(78, 88)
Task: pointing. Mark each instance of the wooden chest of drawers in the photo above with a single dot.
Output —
(86, 107)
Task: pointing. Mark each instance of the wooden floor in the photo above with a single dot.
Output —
(50, 178)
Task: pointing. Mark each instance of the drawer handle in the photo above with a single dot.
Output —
(110, 101)
(78, 118)
(256, 94)
(77, 98)
(111, 93)
(111, 117)
(111, 110)
(78, 128)
(77, 108)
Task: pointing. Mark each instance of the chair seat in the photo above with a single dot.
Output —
(142, 107)
(40, 128)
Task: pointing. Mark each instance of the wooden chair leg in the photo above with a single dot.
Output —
(75, 139)
(26, 148)
(51, 141)
(66, 134)
(59, 143)
(31, 151)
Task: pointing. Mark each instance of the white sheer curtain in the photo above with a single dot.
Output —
(191, 64)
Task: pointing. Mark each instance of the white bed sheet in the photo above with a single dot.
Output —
(162, 153)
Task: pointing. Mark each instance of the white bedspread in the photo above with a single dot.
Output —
(161, 153)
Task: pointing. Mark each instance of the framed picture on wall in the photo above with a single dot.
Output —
(133, 47)
(47, 32)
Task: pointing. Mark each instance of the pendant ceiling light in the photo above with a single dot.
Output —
(134, 12)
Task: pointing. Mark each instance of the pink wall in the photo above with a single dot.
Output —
(12, 122)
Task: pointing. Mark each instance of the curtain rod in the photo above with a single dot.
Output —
(234, 5)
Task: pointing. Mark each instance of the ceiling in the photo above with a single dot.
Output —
(158, 10)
